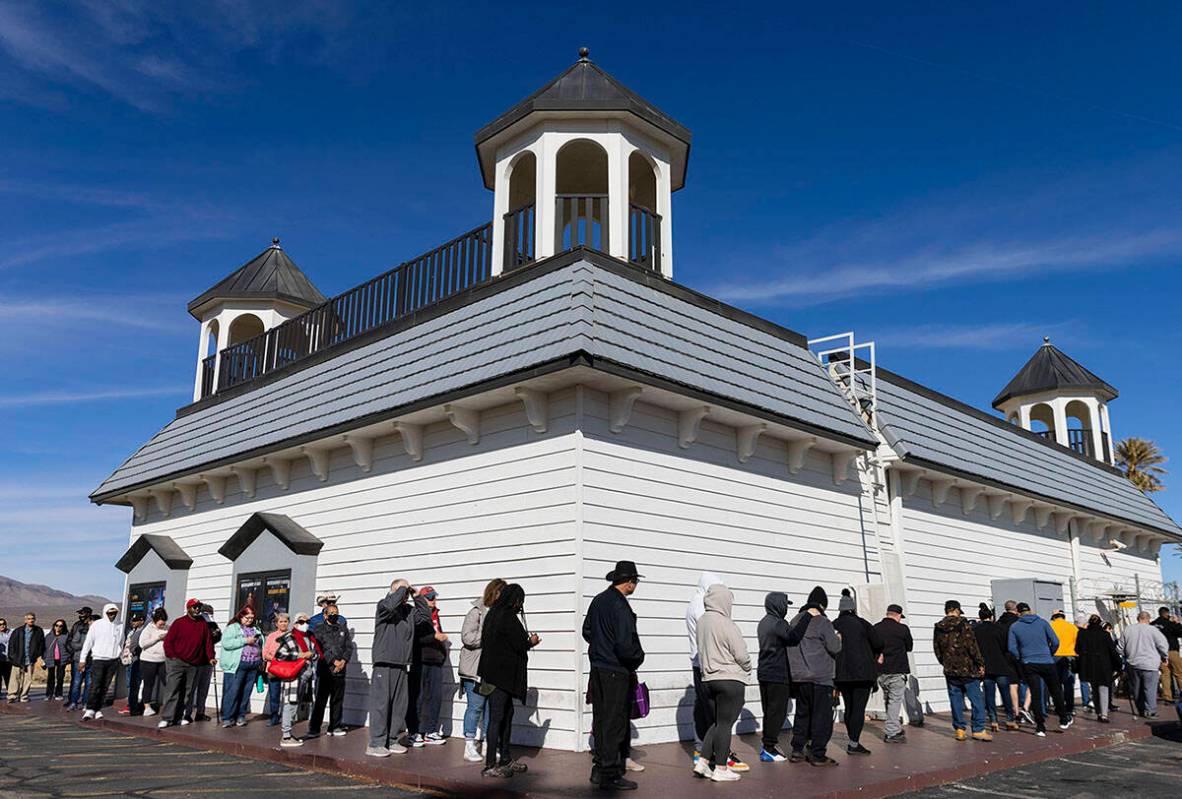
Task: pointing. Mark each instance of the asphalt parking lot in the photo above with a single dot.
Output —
(42, 758)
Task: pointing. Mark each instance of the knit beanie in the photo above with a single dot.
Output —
(847, 601)
(818, 597)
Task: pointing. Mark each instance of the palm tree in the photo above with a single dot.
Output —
(1141, 460)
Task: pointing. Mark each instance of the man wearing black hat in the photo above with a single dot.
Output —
(615, 654)
(79, 677)
(894, 670)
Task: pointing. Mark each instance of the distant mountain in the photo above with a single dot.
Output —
(17, 598)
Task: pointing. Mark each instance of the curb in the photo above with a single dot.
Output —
(384, 771)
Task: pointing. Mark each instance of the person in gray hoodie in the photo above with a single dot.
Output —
(703, 710)
(392, 651)
(813, 663)
(775, 678)
(1144, 648)
(725, 664)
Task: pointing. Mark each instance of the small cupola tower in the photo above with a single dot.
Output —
(264, 292)
(583, 161)
(1058, 398)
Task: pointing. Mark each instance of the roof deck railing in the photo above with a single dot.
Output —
(432, 277)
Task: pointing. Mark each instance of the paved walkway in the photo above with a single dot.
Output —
(932, 757)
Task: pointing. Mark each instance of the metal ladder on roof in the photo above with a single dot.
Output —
(853, 373)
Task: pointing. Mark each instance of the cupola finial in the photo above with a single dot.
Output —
(275, 243)
(584, 53)
(1046, 341)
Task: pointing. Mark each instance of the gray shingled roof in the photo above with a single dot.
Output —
(1051, 369)
(169, 551)
(581, 303)
(270, 275)
(925, 427)
(289, 532)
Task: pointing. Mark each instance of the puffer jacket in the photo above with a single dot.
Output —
(956, 648)
(470, 634)
(722, 652)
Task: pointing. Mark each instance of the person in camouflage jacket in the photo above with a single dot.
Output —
(957, 650)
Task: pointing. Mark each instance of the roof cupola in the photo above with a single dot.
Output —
(583, 161)
(1058, 398)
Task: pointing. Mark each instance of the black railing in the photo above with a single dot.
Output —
(1049, 435)
(208, 372)
(1080, 440)
(644, 237)
(581, 222)
(519, 237)
(434, 276)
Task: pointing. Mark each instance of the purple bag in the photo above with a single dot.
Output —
(639, 701)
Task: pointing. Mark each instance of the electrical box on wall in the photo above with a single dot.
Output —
(1043, 596)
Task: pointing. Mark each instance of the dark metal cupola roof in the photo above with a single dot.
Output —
(582, 87)
(1050, 369)
(270, 275)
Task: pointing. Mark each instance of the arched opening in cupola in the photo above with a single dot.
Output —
(581, 195)
(644, 224)
(521, 220)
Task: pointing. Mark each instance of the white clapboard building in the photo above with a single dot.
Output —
(538, 398)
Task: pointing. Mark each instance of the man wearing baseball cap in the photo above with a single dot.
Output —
(894, 670)
(188, 646)
(426, 673)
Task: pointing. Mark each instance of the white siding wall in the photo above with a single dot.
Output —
(953, 556)
(677, 512)
(1103, 571)
(465, 514)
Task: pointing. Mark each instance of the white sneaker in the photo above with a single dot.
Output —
(471, 754)
(289, 741)
(632, 765)
(724, 774)
(377, 751)
(98, 714)
(397, 749)
(148, 711)
(416, 741)
(185, 722)
(161, 725)
(434, 739)
(702, 768)
(88, 715)
(337, 733)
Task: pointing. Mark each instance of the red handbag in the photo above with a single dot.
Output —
(285, 670)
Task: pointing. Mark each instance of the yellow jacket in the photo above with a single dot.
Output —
(1067, 633)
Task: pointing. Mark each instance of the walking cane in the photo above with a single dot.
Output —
(217, 705)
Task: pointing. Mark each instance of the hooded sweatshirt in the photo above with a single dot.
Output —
(1032, 640)
(814, 659)
(775, 636)
(722, 652)
(104, 639)
(695, 610)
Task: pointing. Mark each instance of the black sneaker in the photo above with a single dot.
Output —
(618, 784)
(897, 738)
(310, 734)
(795, 757)
(823, 760)
(857, 750)
(500, 772)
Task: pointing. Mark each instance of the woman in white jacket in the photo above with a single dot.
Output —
(152, 659)
(725, 665)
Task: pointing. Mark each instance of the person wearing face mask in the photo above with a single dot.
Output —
(297, 644)
(152, 659)
(101, 652)
(333, 637)
(188, 646)
(242, 646)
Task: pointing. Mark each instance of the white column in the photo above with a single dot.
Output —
(201, 345)
(1110, 453)
(547, 151)
(1060, 411)
(665, 209)
(222, 343)
(1024, 416)
(617, 197)
(1094, 423)
(500, 208)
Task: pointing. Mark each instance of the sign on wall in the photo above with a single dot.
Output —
(268, 593)
(143, 599)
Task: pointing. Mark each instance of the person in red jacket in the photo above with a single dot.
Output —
(187, 647)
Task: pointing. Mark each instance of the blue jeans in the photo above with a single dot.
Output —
(958, 689)
(274, 701)
(1085, 693)
(236, 688)
(79, 684)
(477, 712)
(134, 681)
(430, 698)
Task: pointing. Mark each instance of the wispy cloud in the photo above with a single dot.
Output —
(990, 336)
(151, 232)
(66, 397)
(153, 312)
(1012, 229)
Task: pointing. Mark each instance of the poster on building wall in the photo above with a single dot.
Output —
(144, 598)
(267, 594)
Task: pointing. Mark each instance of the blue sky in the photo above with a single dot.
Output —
(954, 184)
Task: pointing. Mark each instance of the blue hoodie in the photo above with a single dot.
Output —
(1032, 640)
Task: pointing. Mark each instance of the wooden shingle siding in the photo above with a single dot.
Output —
(578, 308)
(947, 436)
(680, 512)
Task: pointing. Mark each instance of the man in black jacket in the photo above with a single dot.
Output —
(79, 678)
(392, 653)
(335, 646)
(615, 653)
(1171, 669)
(426, 672)
(894, 670)
(25, 647)
(775, 635)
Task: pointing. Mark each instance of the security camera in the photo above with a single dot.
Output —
(1116, 544)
